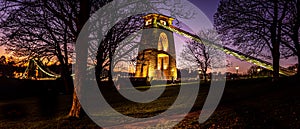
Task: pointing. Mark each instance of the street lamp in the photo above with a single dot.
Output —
(237, 69)
(258, 70)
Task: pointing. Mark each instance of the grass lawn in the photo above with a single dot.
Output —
(256, 103)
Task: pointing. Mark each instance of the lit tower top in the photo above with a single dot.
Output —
(152, 19)
(155, 37)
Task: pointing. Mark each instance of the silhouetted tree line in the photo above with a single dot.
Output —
(8, 67)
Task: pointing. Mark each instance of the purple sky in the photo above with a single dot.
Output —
(209, 7)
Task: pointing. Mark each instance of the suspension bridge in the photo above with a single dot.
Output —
(237, 54)
(37, 71)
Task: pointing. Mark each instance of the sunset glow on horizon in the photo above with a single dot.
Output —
(1, 50)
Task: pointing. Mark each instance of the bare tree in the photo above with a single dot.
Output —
(200, 55)
(115, 51)
(254, 27)
(40, 28)
(34, 29)
(292, 29)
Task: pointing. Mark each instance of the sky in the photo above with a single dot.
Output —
(1, 51)
(209, 7)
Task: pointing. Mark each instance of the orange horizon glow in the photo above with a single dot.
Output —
(2, 51)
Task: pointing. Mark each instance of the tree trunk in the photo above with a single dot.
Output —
(275, 55)
(205, 76)
(276, 58)
(66, 77)
(275, 27)
(98, 70)
(81, 58)
(76, 107)
(110, 69)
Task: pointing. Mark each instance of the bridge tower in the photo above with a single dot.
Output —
(157, 58)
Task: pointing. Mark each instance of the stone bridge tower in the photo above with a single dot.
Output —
(156, 58)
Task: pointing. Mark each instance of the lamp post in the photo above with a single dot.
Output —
(258, 70)
(237, 69)
(199, 74)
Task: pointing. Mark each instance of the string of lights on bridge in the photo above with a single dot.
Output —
(227, 50)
